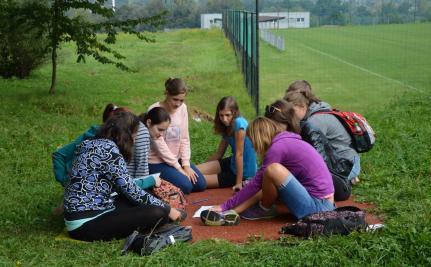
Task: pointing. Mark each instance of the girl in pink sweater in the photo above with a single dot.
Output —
(170, 153)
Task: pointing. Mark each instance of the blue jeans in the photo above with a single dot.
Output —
(294, 195)
(356, 169)
(178, 179)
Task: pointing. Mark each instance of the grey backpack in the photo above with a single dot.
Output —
(166, 235)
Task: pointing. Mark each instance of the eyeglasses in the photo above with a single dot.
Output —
(272, 109)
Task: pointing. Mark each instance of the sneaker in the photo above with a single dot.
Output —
(355, 181)
(257, 213)
(226, 218)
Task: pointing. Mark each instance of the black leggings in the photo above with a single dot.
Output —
(121, 222)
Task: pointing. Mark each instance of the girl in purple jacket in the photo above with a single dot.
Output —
(291, 170)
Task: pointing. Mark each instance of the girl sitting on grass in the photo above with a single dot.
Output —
(170, 153)
(241, 166)
(138, 166)
(99, 170)
(63, 157)
(327, 135)
(291, 170)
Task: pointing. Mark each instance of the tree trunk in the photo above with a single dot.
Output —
(54, 43)
(54, 70)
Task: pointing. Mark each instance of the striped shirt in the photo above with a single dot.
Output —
(138, 165)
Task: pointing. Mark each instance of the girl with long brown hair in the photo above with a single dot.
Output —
(241, 166)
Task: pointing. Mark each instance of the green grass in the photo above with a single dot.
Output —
(396, 173)
(357, 67)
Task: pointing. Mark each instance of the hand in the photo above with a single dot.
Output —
(158, 181)
(176, 215)
(182, 172)
(237, 187)
(191, 174)
(216, 208)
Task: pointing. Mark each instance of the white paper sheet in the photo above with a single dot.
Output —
(198, 212)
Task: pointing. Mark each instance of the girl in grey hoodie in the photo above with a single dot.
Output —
(327, 135)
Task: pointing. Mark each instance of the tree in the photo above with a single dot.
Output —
(63, 28)
(218, 6)
(183, 14)
(23, 40)
(330, 12)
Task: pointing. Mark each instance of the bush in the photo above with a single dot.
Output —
(23, 40)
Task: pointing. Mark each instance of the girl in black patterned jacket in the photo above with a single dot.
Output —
(98, 171)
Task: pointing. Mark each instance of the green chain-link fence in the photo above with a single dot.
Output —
(241, 27)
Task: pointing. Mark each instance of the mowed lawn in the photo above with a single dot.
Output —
(395, 174)
(354, 67)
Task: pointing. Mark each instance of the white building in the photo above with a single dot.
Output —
(267, 20)
(209, 21)
(284, 20)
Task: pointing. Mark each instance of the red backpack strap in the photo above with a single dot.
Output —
(347, 119)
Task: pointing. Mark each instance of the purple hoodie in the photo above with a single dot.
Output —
(300, 158)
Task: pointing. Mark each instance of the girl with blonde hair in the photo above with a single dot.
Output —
(291, 170)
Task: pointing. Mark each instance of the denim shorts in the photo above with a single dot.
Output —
(356, 169)
(300, 203)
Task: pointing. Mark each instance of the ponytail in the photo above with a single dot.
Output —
(157, 115)
(110, 109)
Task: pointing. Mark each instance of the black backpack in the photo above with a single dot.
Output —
(166, 235)
(341, 221)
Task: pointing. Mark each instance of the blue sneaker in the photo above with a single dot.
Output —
(257, 213)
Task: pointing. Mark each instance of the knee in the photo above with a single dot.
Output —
(201, 184)
(276, 170)
(160, 212)
(186, 187)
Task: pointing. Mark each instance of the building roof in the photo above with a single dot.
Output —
(269, 18)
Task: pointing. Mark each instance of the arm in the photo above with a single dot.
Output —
(220, 151)
(62, 158)
(239, 153)
(165, 153)
(315, 137)
(138, 165)
(145, 182)
(185, 151)
(62, 163)
(314, 133)
(255, 185)
(117, 173)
